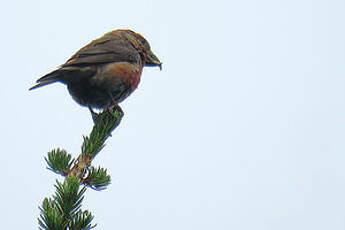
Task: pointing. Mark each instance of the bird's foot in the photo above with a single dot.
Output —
(116, 107)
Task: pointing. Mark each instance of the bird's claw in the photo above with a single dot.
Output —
(117, 108)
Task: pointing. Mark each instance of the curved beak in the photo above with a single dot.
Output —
(152, 60)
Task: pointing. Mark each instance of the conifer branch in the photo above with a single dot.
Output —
(63, 210)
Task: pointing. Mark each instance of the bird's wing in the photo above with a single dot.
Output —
(104, 50)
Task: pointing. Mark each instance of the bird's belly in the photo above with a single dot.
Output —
(112, 83)
(99, 96)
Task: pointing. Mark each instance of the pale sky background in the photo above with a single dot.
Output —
(243, 129)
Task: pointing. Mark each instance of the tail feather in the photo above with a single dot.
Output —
(64, 75)
(47, 79)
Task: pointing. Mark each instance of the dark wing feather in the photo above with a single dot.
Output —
(104, 50)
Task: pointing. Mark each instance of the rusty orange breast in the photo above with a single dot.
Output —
(128, 72)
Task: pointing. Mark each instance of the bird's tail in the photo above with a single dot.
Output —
(47, 79)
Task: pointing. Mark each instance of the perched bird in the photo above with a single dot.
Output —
(106, 71)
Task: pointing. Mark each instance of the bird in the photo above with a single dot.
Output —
(106, 71)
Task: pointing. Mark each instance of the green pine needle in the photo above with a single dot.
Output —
(107, 122)
(59, 161)
(82, 221)
(98, 178)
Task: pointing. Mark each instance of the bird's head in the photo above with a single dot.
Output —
(142, 45)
